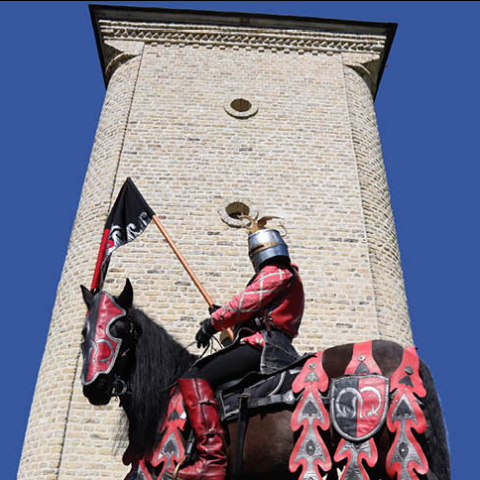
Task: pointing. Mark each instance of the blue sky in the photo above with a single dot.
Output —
(427, 106)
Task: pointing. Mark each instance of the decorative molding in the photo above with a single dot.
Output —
(360, 69)
(300, 41)
(367, 70)
(115, 62)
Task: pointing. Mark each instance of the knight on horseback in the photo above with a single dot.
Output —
(265, 316)
(384, 421)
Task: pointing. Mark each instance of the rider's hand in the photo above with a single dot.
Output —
(205, 333)
(212, 308)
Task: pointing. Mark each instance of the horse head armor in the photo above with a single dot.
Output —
(104, 333)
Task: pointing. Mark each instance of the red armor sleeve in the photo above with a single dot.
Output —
(269, 282)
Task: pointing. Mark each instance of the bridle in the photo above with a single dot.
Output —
(120, 386)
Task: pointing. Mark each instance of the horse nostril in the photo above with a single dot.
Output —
(98, 392)
(99, 401)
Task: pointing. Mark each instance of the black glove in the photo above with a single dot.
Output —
(213, 308)
(205, 333)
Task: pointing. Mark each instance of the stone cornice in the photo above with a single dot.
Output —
(237, 37)
(126, 28)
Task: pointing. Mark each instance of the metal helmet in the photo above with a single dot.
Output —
(264, 245)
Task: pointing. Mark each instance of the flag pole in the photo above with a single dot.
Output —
(190, 272)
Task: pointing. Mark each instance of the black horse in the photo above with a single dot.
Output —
(138, 361)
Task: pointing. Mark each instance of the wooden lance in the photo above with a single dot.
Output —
(192, 275)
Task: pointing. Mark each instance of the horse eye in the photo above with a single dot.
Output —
(119, 329)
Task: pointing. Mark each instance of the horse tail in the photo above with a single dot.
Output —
(436, 444)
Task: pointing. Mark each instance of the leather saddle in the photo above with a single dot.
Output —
(256, 391)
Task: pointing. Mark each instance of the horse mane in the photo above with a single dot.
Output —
(159, 362)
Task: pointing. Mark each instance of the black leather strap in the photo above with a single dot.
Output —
(240, 434)
(287, 398)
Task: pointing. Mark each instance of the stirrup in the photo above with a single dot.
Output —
(178, 467)
(169, 476)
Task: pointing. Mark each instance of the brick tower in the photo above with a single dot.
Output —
(215, 114)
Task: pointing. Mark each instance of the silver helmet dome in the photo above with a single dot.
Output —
(264, 245)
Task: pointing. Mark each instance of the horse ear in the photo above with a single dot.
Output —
(87, 296)
(126, 297)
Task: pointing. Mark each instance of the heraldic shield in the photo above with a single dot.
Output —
(358, 405)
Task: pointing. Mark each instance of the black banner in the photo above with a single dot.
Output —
(127, 220)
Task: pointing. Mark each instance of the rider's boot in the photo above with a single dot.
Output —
(202, 411)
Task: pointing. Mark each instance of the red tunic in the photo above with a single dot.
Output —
(272, 293)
